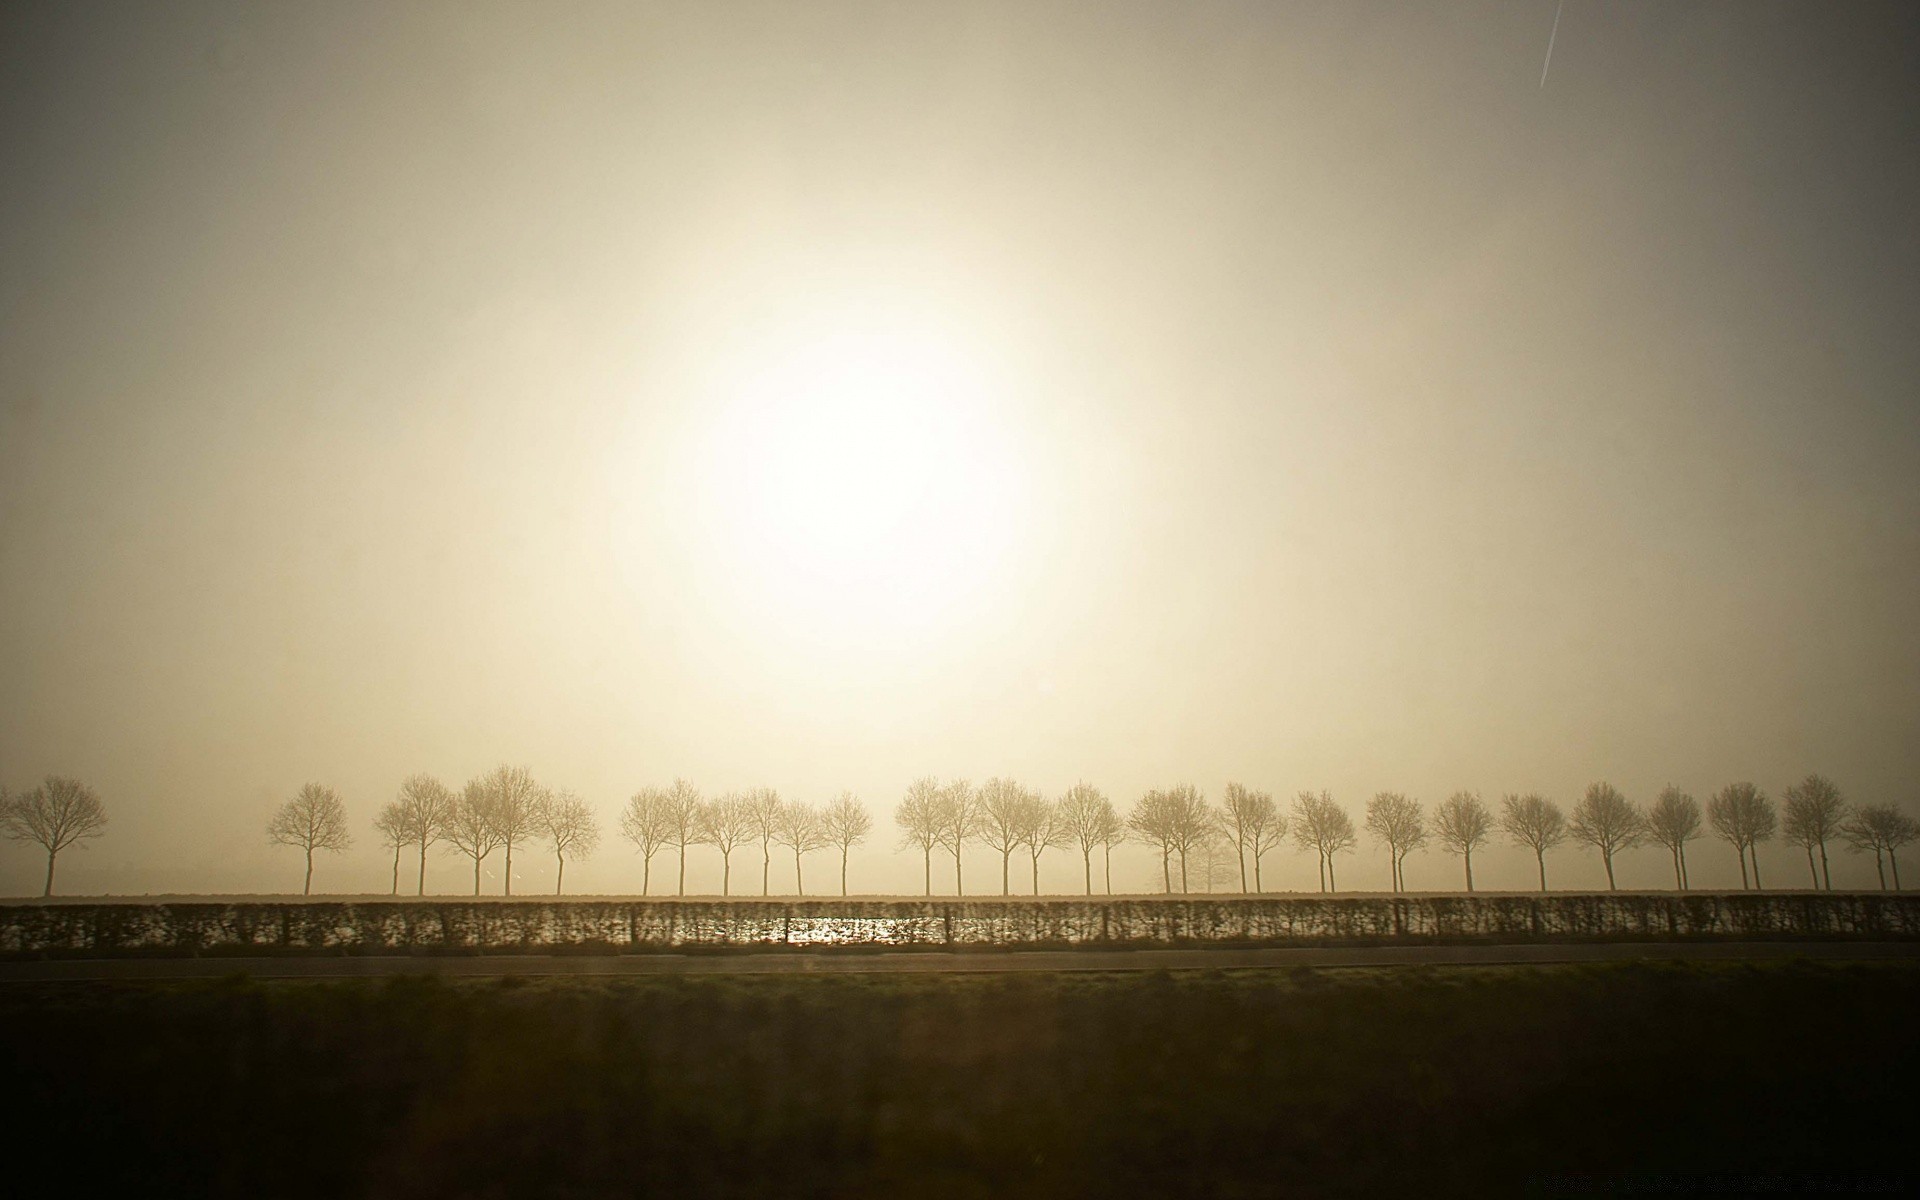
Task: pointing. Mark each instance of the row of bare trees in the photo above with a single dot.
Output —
(507, 807)
(1008, 818)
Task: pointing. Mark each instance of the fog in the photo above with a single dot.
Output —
(1298, 395)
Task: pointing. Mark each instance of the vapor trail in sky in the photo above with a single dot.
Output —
(1550, 37)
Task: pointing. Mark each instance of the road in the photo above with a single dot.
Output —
(921, 962)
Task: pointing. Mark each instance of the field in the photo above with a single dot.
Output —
(1434, 1081)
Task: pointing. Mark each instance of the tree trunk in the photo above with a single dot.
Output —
(1086, 857)
(1540, 857)
(1333, 885)
(423, 866)
(766, 869)
(646, 873)
(799, 887)
(1257, 888)
(1469, 857)
(1685, 882)
(306, 889)
(1240, 852)
(1323, 870)
(1183, 872)
(476, 874)
(1166, 867)
(1881, 867)
(683, 868)
(1893, 856)
(48, 890)
(958, 887)
(396, 870)
(1606, 856)
(1811, 869)
(1824, 869)
(927, 860)
(1005, 856)
(843, 870)
(1745, 883)
(1754, 850)
(509, 885)
(726, 872)
(1109, 865)
(560, 876)
(1677, 884)
(1036, 874)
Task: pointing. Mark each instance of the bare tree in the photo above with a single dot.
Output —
(1535, 822)
(569, 827)
(513, 804)
(1114, 832)
(471, 828)
(1192, 823)
(395, 835)
(959, 823)
(55, 815)
(1607, 821)
(313, 820)
(1083, 813)
(802, 829)
(724, 824)
(428, 805)
(1814, 810)
(997, 826)
(763, 806)
(1881, 828)
(680, 809)
(646, 822)
(1040, 827)
(1397, 821)
(1152, 818)
(846, 824)
(1742, 816)
(1463, 824)
(1320, 824)
(919, 816)
(1242, 815)
(1673, 821)
(1215, 853)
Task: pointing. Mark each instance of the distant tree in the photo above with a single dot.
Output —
(648, 824)
(428, 805)
(1192, 822)
(55, 815)
(313, 820)
(1152, 818)
(1398, 823)
(1214, 853)
(1083, 813)
(1535, 822)
(395, 835)
(725, 823)
(1607, 821)
(570, 828)
(513, 803)
(1673, 821)
(802, 829)
(1320, 824)
(763, 806)
(845, 824)
(1881, 828)
(1814, 811)
(1244, 814)
(920, 816)
(1266, 830)
(1114, 833)
(1040, 826)
(1743, 817)
(471, 829)
(959, 823)
(1463, 824)
(997, 827)
(680, 809)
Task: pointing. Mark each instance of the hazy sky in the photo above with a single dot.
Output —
(820, 395)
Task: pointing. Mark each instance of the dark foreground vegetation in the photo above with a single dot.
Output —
(1417, 1081)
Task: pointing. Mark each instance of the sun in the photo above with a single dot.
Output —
(863, 477)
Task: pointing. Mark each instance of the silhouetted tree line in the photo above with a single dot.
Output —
(1201, 845)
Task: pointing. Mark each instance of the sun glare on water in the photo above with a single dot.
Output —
(863, 479)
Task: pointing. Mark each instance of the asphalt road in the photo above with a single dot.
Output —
(924, 962)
